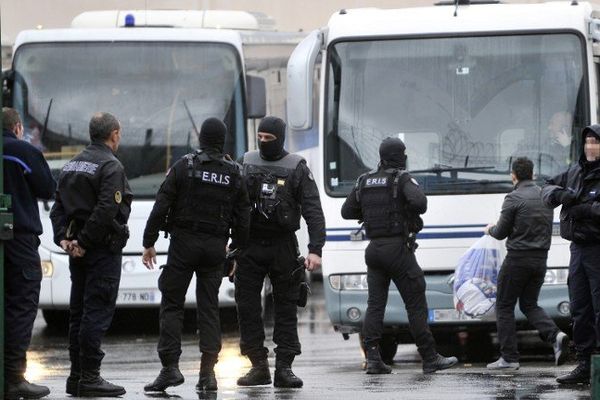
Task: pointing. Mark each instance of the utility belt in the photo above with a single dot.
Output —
(115, 241)
(201, 227)
(271, 238)
(409, 241)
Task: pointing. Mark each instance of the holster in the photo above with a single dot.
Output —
(118, 238)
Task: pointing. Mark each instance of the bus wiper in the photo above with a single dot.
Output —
(189, 114)
(46, 120)
(438, 169)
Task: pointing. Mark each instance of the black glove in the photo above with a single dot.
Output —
(580, 211)
(565, 197)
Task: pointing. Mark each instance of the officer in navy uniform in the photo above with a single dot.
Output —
(204, 202)
(89, 217)
(27, 177)
(389, 202)
(281, 189)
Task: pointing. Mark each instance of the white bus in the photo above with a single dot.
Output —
(468, 88)
(161, 73)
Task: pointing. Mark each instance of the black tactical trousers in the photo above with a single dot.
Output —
(22, 274)
(191, 253)
(388, 259)
(95, 281)
(521, 279)
(276, 258)
(584, 293)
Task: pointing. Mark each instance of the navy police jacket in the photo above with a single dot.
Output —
(27, 178)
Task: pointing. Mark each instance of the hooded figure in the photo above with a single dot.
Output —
(391, 152)
(272, 150)
(577, 191)
(212, 135)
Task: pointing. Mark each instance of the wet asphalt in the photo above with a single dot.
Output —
(330, 366)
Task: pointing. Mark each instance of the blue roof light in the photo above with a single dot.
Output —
(129, 20)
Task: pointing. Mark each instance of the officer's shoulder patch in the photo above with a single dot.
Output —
(413, 180)
(118, 197)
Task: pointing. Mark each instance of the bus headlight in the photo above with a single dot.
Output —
(556, 276)
(349, 282)
(334, 281)
(47, 269)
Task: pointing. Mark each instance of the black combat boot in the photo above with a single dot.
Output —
(581, 374)
(207, 380)
(375, 364)
(284, 377)
(437, 363)
(91, 384)
(73, 383)
(22, 389)
(259, 374)
(73, 378)
(168, 376)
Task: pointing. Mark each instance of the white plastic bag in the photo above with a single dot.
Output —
(476, 279)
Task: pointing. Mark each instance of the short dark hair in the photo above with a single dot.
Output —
(102, 125)
(522, 167)
(10, 118)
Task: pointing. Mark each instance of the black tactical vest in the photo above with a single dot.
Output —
(383, 206)
(210, 189)
(274, 208)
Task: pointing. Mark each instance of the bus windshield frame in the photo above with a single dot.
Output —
(161, 92)
(466, 106)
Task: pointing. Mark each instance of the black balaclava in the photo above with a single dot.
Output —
(272, 150)
(391, 152)
(212, 134)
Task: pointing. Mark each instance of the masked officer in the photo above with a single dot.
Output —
(389, 202)
(578, 191)
(204, 200)
(89, 217)
(27, 177)
(281, 189)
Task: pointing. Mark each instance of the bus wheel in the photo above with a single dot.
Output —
(56, 319)
(388, 346)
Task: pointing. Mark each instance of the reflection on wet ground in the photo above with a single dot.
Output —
(329, 366)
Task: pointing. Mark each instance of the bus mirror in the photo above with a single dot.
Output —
(300, 72)
(594, 29)
(256, 96)
(7, 87)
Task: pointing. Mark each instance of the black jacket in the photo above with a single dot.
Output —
(580, 213)
(174, 193)
(411, 198)
(92, 191)
(27, 178)
(524, 219)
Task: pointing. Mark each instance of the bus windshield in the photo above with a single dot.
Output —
(161, 93)
(465, 107)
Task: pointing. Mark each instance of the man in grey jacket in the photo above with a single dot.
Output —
(527, 224)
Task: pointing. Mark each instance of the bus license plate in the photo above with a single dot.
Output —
(139, 296)
(444, 315)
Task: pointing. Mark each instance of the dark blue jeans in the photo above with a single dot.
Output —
(584, 293)
(521, 279)
(94, 290)
(23, 274)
